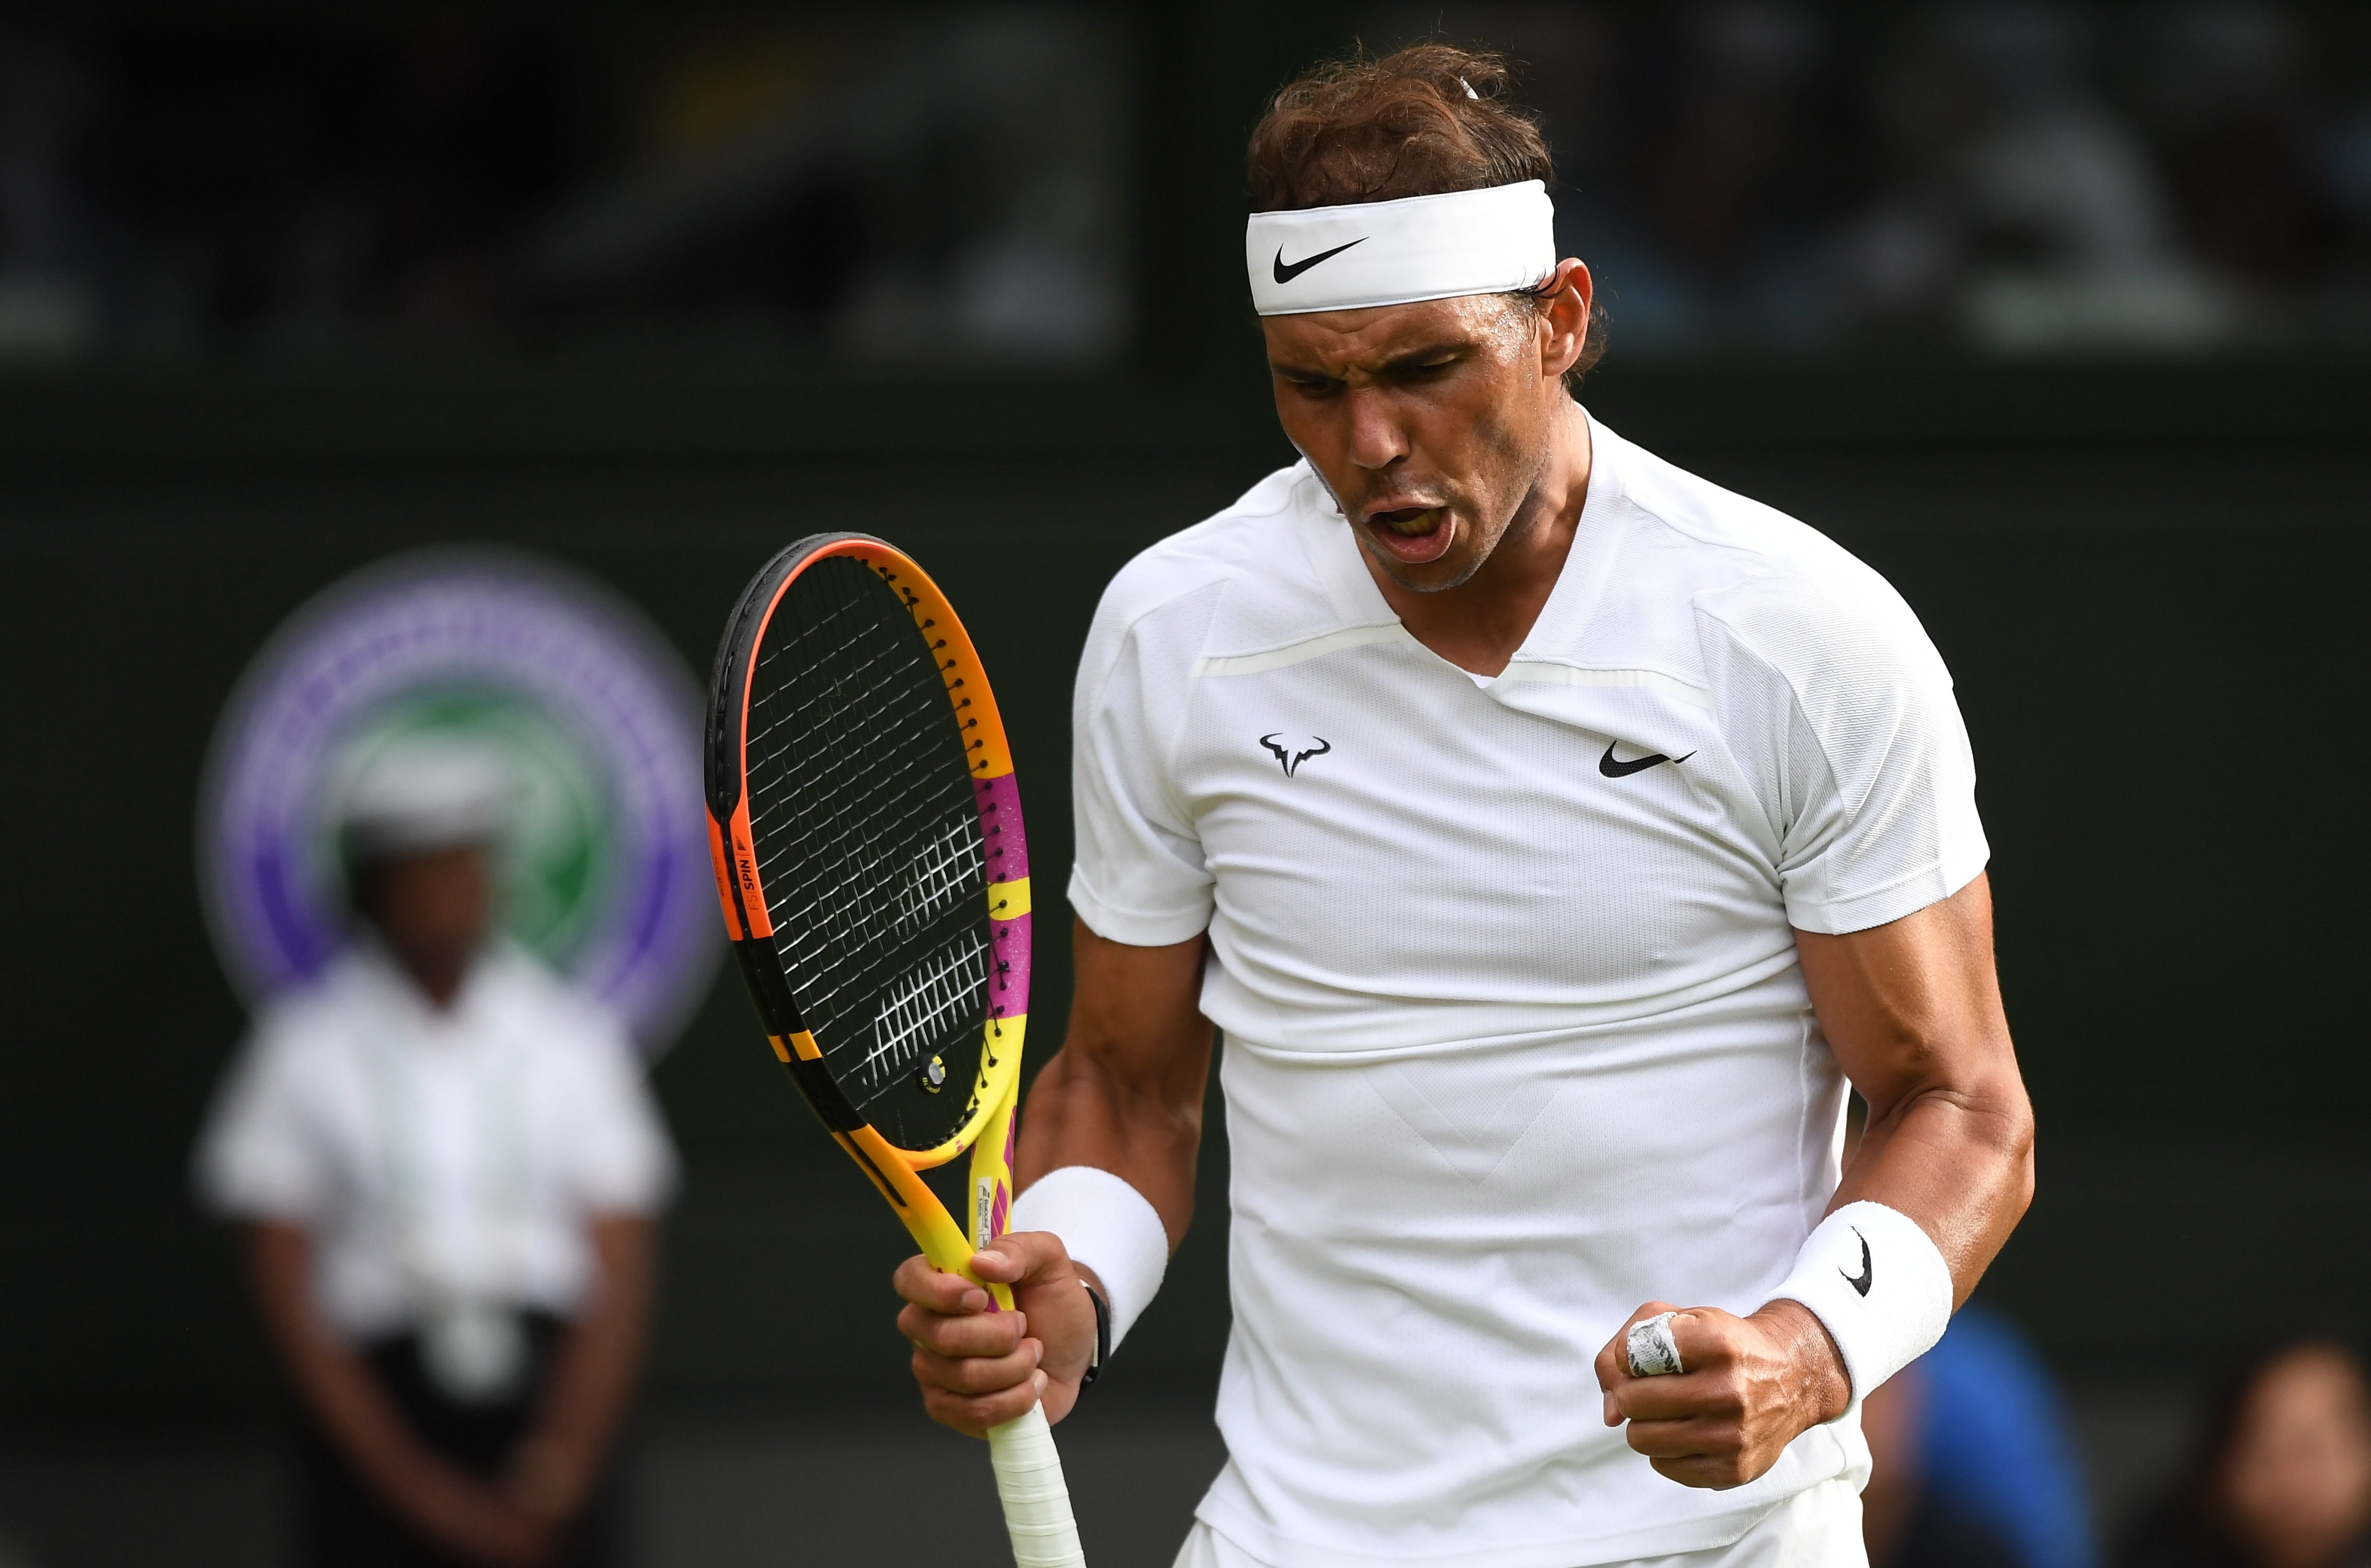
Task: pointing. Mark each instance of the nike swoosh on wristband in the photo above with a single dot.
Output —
(1867, 1275)
(1287, 270)
(1613, 769)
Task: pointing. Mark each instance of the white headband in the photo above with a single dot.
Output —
(1462, 242)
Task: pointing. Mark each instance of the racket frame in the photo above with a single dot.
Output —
(988, 1127)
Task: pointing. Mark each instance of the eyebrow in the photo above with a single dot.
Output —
(1408, 359)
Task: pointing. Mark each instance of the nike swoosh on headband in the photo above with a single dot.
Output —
(1287, 270)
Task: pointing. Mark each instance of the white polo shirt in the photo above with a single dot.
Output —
(454, 1154)
(1515, 1035)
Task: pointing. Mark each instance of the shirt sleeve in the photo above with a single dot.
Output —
(1876, 782)
(619, 1157)
(261, 1154)
(1139, 876)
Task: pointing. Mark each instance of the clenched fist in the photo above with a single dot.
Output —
(1751, 1386)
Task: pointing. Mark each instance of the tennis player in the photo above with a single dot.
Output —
(1555, 837)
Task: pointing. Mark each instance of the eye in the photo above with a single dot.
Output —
(1428, 370)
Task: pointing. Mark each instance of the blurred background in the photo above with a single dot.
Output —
(2060, 315)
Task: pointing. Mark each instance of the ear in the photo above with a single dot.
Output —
(1564, 324)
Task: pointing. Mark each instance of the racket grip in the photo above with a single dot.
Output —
(1036, 1498)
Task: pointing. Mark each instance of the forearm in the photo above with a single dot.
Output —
(330, 1380)
(1913, 1011)
(1124, 1094)
(1958, 1159)
(592, 1376)
(1080, 1114)
(357, 1416)
(593, 1373)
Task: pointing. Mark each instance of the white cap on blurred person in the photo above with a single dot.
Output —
(425, 792)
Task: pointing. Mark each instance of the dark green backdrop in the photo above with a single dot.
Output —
(2146, 579)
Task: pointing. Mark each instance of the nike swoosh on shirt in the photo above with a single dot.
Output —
(1287, 270)
(1613, 769)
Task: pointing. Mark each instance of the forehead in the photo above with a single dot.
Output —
(1336, 341)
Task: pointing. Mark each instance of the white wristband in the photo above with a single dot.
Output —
(1879, 1283)
(1106, 1224)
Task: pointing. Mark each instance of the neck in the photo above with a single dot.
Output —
(440, 984)
(1478, 624)
(438, 975)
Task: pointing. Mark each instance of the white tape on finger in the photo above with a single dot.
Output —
(1036, 1498)
(1653, 1350)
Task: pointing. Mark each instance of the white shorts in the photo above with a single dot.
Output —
(1817, 1527)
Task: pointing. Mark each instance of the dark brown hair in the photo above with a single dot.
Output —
(1363, 130)
(1425, 120)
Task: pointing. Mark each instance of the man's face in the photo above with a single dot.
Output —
(433, 907)
(1429, 423)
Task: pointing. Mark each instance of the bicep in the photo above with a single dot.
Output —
(623, 1245)
(1913, 1006)
(1136, 1015)
(280, 1271)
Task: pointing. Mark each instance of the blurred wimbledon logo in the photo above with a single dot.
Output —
(587, 712)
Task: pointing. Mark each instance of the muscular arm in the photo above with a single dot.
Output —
(1124, 1094)
(1913, 1011)
(466, 1516)
(592, 1376)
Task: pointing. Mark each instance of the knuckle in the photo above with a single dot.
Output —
(978, 1376)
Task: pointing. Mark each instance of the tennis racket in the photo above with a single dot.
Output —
(874, 875)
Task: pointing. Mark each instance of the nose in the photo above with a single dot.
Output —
(1376, 440)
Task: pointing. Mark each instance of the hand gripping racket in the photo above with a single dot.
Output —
(876, 881)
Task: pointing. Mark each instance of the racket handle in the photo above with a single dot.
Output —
(1037, 1499)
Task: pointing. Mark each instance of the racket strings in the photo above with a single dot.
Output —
(860, 834)
(943, 992)
(869, 846)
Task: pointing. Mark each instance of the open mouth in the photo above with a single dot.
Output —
(1414, 534)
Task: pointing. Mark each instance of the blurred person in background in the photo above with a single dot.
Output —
(448, 1164)
(1972, 1463)
(2283, 1478)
